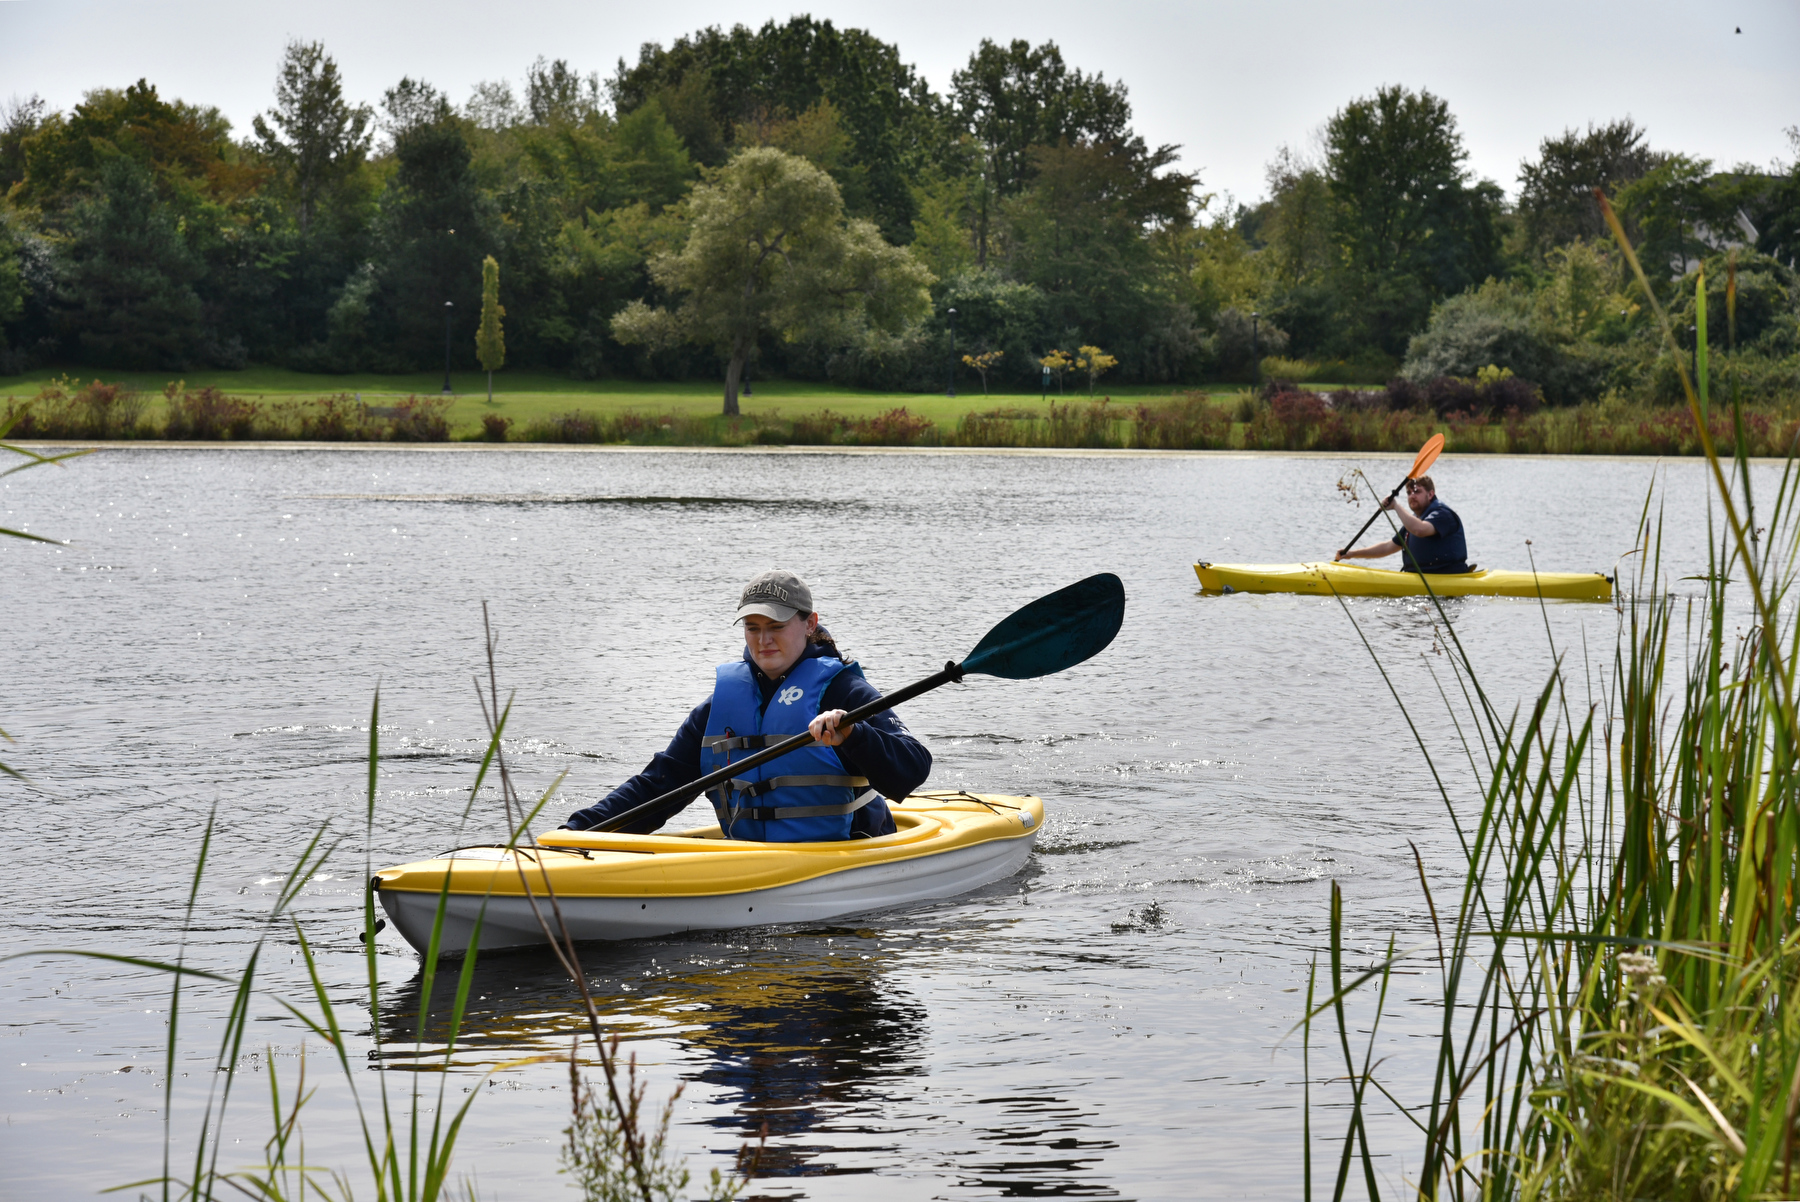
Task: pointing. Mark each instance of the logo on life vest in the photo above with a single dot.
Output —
(790, 694)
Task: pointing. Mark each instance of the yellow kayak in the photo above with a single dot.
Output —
(1358, 580)
(618, 886)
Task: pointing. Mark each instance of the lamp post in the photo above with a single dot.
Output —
(447, 308)
(1255, 352)
(951, 390)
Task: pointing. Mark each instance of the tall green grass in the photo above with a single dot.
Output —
(1613, 978)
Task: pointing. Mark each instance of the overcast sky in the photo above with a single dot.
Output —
(1229, 80)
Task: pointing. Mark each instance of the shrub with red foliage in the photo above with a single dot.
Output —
(420, 419)
(895, 428)
(209, 414)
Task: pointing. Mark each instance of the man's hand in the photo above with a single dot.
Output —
(1339, 554)
(1389, 503)
(825, 728)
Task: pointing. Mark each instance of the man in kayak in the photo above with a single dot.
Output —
(791, 679)
(1430, 537)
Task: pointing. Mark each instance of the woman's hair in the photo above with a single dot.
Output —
(821, 635)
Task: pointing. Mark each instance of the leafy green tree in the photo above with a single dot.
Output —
(555, 94)
(1410, 224)
(19, 119)
(1014, 100)
(1778, 214)
(1296, 224)
(769, 252)
(1683, 212)
(127, 288)
(436, 226)
(315, 138)
(186, 148)
(944, 209)
(1556, 193)
(1080, 235)
(490, 342)
(713, 82)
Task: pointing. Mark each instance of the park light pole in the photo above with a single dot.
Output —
(951, 391)
(447, 308)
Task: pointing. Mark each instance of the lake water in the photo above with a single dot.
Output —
(1111, 1023)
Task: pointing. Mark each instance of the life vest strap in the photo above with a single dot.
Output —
(724, 743)
(729, 814)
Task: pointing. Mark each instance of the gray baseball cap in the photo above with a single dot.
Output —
(775, 594)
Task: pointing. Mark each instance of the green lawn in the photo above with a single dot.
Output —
(524, 396)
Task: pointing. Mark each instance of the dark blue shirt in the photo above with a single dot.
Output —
(880, 749)
(1445, 551)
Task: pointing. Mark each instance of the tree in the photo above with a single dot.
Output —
(555, 94)
(1779, 214)
(1060, 363)
(490, 344)
(1556, 193)
(19, 120)
(437, 224)
(714, 82)
(769, 251)
(1079, 233)
(1682, 211)
(315, 137)
(1410, 225)
(983, 363)
(1096, 363)
(187, 150)
(128, 286)
(1015, 99)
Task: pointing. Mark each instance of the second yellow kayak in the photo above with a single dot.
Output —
(1357, 580)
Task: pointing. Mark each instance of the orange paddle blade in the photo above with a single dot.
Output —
(1434, 446)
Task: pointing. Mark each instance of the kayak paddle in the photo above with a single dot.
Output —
(1054, 632)
(1434, 446)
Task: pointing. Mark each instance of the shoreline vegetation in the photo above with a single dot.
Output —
(1612, 975)
(1494, 413)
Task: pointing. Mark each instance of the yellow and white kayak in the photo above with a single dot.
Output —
(617, 886)
(1359, 580)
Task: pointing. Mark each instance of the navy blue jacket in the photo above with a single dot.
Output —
(1445, 551)
(881, 749)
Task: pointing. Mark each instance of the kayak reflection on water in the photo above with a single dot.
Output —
(799, 1033)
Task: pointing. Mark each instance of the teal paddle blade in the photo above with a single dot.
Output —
(1054, 632)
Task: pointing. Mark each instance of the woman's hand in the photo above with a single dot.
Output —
(826, 730)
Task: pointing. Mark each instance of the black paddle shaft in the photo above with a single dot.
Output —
(1373, 516)
(680, 797)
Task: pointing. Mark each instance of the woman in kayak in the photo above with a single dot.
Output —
(1431, 536)
(791, 679)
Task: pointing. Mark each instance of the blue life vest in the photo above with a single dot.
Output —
(805, 796)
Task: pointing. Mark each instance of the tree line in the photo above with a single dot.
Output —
(795, 199)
